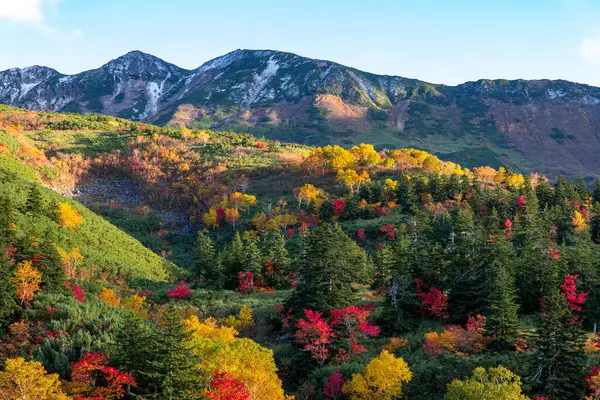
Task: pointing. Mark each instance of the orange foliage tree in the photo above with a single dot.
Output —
(26, 280)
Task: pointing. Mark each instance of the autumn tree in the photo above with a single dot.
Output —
(28, 380)
(494, 384)
(315, 334)
(92, 378)
(307, 194)
(68, 216)
(218, 348)
(382, 378)
(26, 279)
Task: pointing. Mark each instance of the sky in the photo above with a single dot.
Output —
(440, 41)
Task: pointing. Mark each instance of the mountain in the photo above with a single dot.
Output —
(542, 125)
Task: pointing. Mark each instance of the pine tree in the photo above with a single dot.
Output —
(50, 264)
(232, 260)
(504, 320)
(7, 219)
(331, 264)
(207, 264)
(253, 261)
(7, 291)
(34, 204)
(401, 303)
(533, 265)
(384, 266)
(596, 192)
(559, 360)
(164, 365)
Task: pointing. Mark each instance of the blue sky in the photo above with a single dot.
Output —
(441, 41)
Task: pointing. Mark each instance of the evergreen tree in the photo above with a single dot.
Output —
(534, 265)
(405, 193)
(331, 264)
(7, 218)
(7, 290)
(504, 320)
(34, 204)
(596, 191)
(384, 266)
(164, 366)
(558, 362)
(50, 264)
(232, 261)
(277, 257)
(253, 261)
(207, 265)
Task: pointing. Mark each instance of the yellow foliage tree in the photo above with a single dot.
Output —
(211, 218)
(26, 280)
(24, 380)
(307, 193)
(71, 261)
(495, 384)
(352, 179)
(578, 222)
(390, 184)
(365, 154)
(382, 379)
(337, 157)
(109, 297)
(243, 320)
(246, 360)
(69, 216)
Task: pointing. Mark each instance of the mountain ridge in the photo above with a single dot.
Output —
(546, 125)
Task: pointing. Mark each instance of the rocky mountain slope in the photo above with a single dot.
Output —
(548, 126)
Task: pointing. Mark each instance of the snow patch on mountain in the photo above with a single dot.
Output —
(260, 81)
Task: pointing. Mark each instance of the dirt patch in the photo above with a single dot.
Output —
(343, 114)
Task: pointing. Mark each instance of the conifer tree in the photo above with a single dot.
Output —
(7, 290)
(34, 204)
(207, 265)
(534, 265)
(232, 260)
(504, 320)
(50, 264)
(384, 266)
(596, 191)
(331, 264)
(164, 365)
(558, 362)
(253, 261)
(462, 266)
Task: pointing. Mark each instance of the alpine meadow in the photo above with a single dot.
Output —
(269, 226)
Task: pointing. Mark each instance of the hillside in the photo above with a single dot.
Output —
(545, 126)
(106, 250)
(308, 270)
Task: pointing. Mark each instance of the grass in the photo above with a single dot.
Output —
(87, 142)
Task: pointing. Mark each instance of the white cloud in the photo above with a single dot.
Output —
(28, 11)
(590, 50)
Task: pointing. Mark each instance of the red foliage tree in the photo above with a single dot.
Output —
(93, 369)
(434, 301)
(181, 291)
(574, 300)
(315, 334)
(333, 388)
(78, 293)
(224, 386)
(389, 230)
(338, 207)
(246, 284)
(351, 325)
